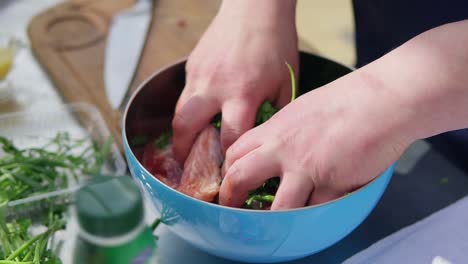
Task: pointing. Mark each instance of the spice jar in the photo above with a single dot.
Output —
(111, 224)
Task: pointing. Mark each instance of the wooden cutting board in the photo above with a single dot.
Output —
(69, 41)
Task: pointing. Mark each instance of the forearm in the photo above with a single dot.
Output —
(260, 13)
(426, 81)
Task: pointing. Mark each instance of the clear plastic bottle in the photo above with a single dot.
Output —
(111, 224)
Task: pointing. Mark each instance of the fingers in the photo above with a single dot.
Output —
(184, 96)
(246, 174)
(322, 195)
(284, 97)
(293, 192)
(189, 119)
(238, 117)
(245, 144)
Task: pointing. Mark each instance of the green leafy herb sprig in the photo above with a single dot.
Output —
(266, 110)
(32, 171)
(24, 172)
(163, 140)
(264, 195)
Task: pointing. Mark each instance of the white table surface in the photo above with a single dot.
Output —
(33, 90)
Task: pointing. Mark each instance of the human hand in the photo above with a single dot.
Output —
(324, 144)
(236, 66)
(341, 136)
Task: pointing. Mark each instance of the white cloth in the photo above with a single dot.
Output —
(439, 238)
(31, 87)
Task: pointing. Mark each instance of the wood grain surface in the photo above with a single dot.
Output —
(69, 41)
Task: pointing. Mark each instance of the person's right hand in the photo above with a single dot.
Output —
(237, 65)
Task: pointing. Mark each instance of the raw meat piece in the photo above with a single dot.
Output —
(162, 164)
(202, 173)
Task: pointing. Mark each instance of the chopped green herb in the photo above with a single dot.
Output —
(264, 195)
(217, 121)
(259, 201)
(265, 112)
(163, 140)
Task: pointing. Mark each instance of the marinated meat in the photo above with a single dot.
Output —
(162, 164)
(202, 173)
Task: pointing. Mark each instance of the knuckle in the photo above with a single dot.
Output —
(193, 75)
(210, 70)
(229, 135)
(246, 110)
(180, 122)
(325, 175)
(219, 77)
(234, 177)
(192, 60)
(179, 151)
(197, 73)
(247, 93)
(231, 152)
(280, 203)
(286, 141)
(188, 65)
(246, 87)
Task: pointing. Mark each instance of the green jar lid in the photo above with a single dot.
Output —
(109, 206)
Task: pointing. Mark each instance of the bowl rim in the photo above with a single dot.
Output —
(304, 208)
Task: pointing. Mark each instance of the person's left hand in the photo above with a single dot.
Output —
(324, 144)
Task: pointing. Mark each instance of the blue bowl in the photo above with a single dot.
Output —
(240, 234)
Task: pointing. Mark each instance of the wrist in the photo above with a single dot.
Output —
(386, 116)
(266, 14)
(426, 81)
